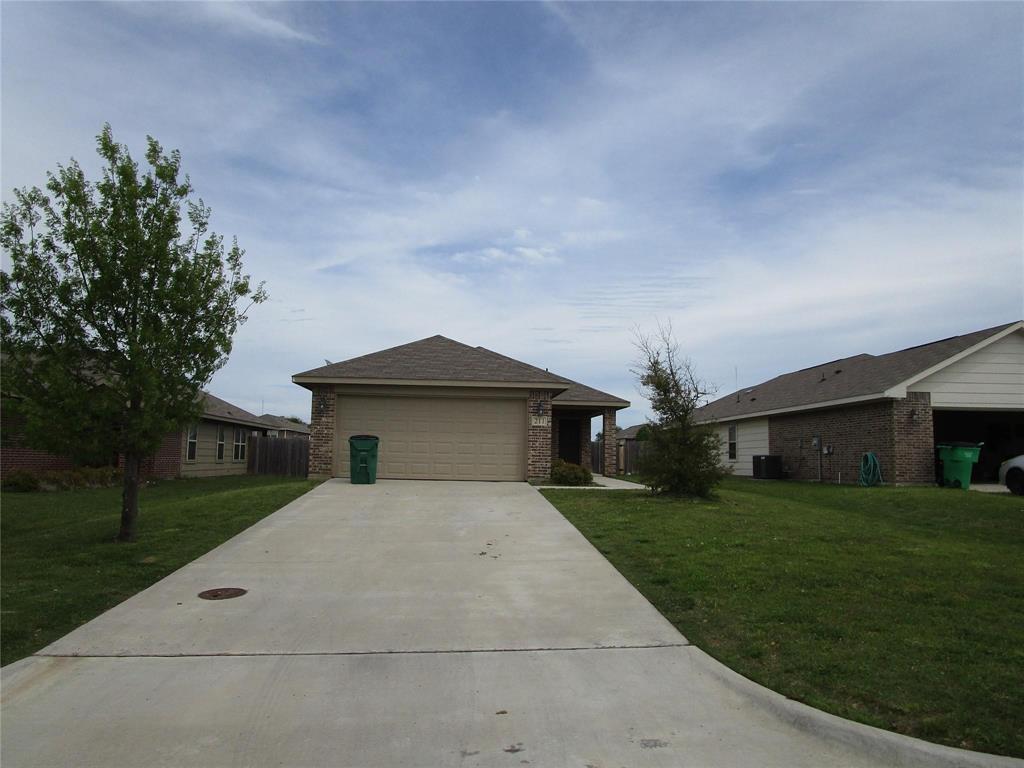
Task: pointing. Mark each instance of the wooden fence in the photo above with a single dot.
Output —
(630, 457)
(278, 456)
(597, 457)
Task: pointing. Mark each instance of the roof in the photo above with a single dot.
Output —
(629, 433)
(280, 422)
(581, 394)
(860, 377)
(221, 410)
(435, 359)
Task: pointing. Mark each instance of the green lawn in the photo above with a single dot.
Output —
(899, 607)
(60, 567)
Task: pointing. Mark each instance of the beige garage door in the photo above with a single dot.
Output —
(437, 438)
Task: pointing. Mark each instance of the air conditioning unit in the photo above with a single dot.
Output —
(768, 467)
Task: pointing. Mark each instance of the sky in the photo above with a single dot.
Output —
(783, 183)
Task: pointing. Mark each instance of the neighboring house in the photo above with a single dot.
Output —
(215, 445)
(446, 410)
(279, 426)
(822, 419)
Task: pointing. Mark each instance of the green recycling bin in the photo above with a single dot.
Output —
(957, 461)
(362, 458)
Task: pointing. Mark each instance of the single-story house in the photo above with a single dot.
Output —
(446, 410)
(822, 419)
(215, 445)
(279, 426)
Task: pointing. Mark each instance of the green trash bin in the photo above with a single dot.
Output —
(958, 459)
(362, 458)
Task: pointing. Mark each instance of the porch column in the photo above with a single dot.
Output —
(611, 453)
(585, 441)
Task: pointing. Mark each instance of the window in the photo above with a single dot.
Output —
(732, 441)
(220, 442)
(240, 438)
(193, 443)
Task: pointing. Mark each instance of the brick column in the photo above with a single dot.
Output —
(585, 441)
(611, 453)
(538, 435)
(913, 429)
(321, 433)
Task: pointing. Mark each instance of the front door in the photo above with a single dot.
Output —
(569, 440)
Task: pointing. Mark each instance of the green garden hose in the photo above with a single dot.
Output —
(870, 470)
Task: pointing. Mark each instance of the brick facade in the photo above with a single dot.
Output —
(899, 432)
(585, 442)
(539, 437)
(15, 455)
(166, 462)
(321, 432)
(915, 438)
(609, 443)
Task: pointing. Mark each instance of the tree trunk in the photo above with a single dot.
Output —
(129, 498)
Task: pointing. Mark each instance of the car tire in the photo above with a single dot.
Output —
(1015, 481)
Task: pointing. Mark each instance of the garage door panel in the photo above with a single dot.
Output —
(438, 438)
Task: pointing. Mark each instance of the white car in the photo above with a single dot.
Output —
(1011, 474)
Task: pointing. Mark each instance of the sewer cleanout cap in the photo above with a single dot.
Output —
(222, 593)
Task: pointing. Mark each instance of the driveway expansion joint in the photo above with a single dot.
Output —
(427, 652)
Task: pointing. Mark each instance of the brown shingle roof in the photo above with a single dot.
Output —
(629, 433)
(221, 410)
(437, 359)
(280, 422)
(858, 376)
(583, 394)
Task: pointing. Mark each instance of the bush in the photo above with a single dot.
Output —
(680, 456)
(564, 473)
(20, 480)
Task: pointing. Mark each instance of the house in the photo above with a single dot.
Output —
(279, 426)
(215, 445)
(446, 410)
(822, 419)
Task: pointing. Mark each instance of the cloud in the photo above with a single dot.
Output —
(252, 19)
(519, 255)
(786, 183)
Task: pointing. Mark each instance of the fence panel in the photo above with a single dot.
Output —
(597, 457)
(278, 456)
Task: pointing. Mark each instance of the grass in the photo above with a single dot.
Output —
(902, 608)
(60, 566)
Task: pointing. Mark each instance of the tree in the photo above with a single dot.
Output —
(112, 320)
(679, 456)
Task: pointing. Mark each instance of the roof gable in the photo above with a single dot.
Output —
(436, 359)
(859, 377)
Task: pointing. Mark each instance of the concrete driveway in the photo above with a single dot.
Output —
(405, 623)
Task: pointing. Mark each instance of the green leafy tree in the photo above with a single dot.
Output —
(112, 318)
(679, 456)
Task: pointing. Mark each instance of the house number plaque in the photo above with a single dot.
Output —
(540, 421)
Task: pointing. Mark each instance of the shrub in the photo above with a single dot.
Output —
(680, 456)
(564, 473)
(20, 480)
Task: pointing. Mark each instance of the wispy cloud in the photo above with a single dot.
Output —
(787, 183)
(253, 19)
